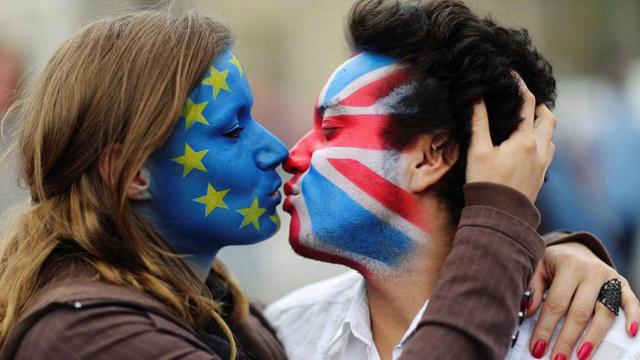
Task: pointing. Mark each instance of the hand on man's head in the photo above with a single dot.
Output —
(522, 160)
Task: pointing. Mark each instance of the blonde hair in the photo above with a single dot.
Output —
(117, 81)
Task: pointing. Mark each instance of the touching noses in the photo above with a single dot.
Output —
(271, 153)
(300, 156)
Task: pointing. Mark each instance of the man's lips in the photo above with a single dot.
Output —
(291, 187)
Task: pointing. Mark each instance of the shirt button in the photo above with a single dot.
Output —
(514, 338)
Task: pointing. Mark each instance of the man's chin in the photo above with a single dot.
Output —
(300, 245)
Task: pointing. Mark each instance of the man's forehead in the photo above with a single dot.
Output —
(347, 76)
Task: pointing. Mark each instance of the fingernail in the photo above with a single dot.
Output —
(560, 357)
(539, 348)
(634, 329)
(585, 350)
(477, 100)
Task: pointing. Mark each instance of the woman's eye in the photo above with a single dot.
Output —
(233, 134)
(329, 132)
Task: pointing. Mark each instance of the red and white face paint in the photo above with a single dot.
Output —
(348, 197)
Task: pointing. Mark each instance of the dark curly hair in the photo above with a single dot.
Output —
(454, 57)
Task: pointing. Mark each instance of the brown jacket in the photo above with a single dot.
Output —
(495, 251)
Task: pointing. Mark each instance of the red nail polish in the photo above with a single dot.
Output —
(585, 350)
(634, 329)
(539, 348)
(560, 357)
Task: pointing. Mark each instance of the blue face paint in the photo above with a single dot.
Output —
(214, 183)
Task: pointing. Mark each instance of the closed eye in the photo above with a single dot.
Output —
(234, 133)
(329, 132)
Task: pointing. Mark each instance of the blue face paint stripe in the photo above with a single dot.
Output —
(359, 65)
(368, 236)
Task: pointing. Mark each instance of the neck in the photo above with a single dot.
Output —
(397, 296)
(199, 260)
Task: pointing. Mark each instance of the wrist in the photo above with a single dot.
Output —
(503, 198)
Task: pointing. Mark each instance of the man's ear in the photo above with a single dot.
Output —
(138, 189)
(431, 158)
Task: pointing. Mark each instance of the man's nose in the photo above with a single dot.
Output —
(300, 156)
(271, 153)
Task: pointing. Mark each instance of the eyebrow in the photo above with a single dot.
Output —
(324, 107)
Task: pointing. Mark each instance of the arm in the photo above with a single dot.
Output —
(108, 332)
(476, 299)
(582, 237)
(494, 254)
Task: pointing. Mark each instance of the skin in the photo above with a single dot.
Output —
(213, 183)
(520, 162)
(424, 165)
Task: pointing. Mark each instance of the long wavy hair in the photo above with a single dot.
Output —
(118, 81)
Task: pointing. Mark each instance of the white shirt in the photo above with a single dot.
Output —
(329, 320)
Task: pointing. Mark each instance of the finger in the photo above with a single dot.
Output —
(555, 306)
(580, 312)
(481, 136)
(536, 286)
(551, 152)
(527, 112)
(631, 307)
(545, 126)
(602, 321)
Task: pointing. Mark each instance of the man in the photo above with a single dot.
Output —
(390, 138)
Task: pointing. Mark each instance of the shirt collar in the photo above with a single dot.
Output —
(357, 321)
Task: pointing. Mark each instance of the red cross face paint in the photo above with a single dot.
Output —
(348, 197)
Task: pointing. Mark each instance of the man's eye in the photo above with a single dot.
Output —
(329, 132)
(233, 134)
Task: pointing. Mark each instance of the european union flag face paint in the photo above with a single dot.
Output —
(214, 182)
(348, 198)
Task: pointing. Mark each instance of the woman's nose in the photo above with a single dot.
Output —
(300, 156)
(272, 152)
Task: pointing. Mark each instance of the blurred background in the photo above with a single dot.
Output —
(290, 47)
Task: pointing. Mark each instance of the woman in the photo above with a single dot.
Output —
(108, 261)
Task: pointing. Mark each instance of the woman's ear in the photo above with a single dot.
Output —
(432, 157)
(138, 189)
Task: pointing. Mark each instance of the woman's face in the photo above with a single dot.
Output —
(214, 182)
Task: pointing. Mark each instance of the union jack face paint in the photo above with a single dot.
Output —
(348, 198)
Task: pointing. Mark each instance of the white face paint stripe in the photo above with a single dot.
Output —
(366, 201)
(375, 109)
(307, 239)
(376, 160)
(364, 80)
(323, 93)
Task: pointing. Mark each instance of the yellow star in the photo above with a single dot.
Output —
(191, 160)
(252, 214)
(234, 60)
(214, 199)
(217, 80)
(192, 113)
(276, 220)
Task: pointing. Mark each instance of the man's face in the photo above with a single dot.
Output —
(348, 197)
(213, 183)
